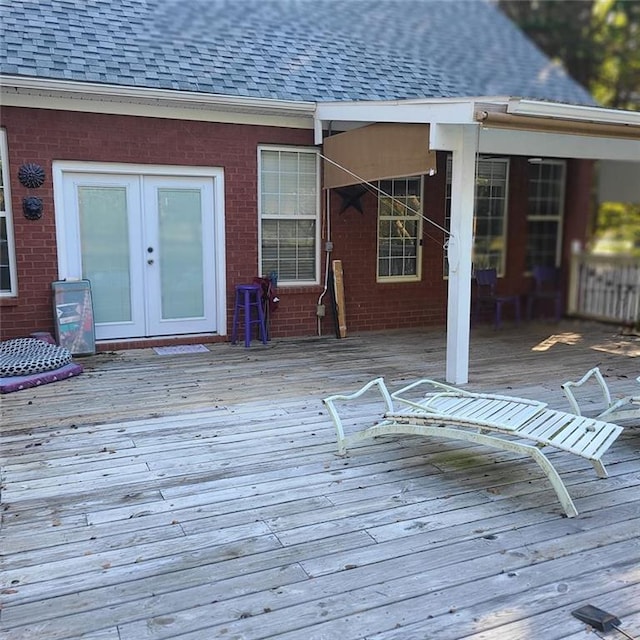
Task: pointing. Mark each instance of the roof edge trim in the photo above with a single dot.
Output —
(126, 93)
(539, 108)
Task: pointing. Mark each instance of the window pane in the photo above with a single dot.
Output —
(307, 163)
(490, 214)
(409, 265)
(397, 248)
(399, 228)
(385, 206)
(5, 272)
(308, 204)
(289, 211)
(288, 248)
(542, 243)
(289, 183)
(288, 162)
(546, 210)
(7, 264)
(270, 161)
(270, 204)
(288, 204)
(490, 210)
(270, 183)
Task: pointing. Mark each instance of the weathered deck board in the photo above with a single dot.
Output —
(201, 497)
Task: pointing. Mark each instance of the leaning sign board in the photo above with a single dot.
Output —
(338, 296)
(73, 316)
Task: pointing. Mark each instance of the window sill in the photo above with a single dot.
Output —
(398, 280)
(299, 288)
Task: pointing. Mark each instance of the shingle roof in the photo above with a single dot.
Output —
(312, 50)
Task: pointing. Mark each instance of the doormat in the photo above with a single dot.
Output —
(179, 349)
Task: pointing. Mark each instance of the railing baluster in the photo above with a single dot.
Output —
(605, 288)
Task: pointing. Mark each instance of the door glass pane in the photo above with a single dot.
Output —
(180, 253)
(104, 238)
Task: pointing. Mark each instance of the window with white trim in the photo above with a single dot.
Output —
(289, 209)
(545, 212)
(7, 250)
(400, 229)
(490, 215)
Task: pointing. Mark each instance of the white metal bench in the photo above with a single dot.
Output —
(508, 423)
(621, 409)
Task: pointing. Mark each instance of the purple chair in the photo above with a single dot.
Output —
(546, 289)
(487, 298)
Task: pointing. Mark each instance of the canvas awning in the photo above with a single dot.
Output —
(376, 152)
(548, 125)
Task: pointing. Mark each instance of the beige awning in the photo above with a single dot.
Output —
(557, 125)
(376, 152)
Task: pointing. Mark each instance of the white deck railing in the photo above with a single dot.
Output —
(605, 288)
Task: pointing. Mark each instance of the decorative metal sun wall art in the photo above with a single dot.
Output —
(31, 175)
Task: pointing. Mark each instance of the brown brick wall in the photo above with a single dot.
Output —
(43, 136)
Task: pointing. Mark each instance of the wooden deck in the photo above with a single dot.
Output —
(198, 496)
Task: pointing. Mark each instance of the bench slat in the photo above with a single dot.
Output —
(498, 421)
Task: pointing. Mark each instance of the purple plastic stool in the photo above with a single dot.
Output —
(249, 297)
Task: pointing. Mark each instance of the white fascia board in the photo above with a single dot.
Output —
(448, 137)
(413, 111)
(572, 112)
(557, 145)
(141, 101)
(460, 112)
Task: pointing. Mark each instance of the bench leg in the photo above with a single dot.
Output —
(419, 426)
(600, 470)
(556, 481)
(535, 453)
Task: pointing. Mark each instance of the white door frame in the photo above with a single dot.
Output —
(68, 240)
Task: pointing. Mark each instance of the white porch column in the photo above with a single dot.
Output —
(459, 254)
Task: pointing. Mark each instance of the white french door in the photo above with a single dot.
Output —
(152, 247)
(178, 247)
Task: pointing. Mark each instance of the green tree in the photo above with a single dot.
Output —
(616, 82)
(597, 42)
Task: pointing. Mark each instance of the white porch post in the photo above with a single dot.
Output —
(459, 254)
